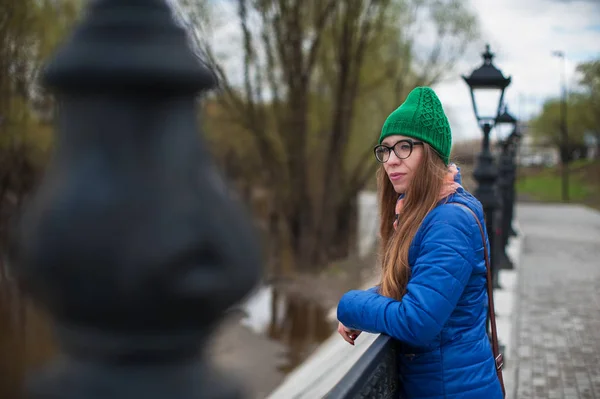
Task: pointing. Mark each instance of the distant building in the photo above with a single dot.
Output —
(536, 153)
(592, 143)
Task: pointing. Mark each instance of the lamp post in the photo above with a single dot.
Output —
(487, 85)
(515, 140)
(564, 152)
(131, 244)
(505, 127)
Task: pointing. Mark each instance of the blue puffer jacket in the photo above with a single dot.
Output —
(441, 321)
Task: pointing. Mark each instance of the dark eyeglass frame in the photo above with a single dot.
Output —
(389, 149)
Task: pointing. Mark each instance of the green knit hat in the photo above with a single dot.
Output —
(421, 117)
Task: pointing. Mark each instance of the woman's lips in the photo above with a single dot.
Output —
(396, 176)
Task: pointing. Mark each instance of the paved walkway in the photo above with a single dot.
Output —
(557, 332)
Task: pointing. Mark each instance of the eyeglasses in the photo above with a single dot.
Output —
(402, 149)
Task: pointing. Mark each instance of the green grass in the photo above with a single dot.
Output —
(545, 185)
(548, 188)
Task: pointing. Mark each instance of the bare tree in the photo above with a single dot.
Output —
(309, 68)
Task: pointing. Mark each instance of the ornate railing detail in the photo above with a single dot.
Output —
(131, 243)
(374, 376)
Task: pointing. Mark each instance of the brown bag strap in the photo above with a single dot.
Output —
(491, 311)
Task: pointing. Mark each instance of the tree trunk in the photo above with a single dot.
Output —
(345, 240)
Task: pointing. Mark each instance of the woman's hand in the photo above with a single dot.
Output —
(348, 334)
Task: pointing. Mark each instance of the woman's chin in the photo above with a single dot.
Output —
(399, 188)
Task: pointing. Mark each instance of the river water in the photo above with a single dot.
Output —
(301, 324)
(297, 323)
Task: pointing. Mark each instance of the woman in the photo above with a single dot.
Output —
(432, 296)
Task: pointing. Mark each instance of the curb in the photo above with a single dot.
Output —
(511, 313)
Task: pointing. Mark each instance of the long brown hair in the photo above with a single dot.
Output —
(420, 198)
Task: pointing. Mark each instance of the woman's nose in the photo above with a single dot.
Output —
(393, 159)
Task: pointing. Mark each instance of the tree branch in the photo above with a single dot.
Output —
(319, 26)
(364, 170)
(249, 59)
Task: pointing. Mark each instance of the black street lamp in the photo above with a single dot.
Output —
(505, 127)
(487, 85)
(128, 243)
(515, 140)
(564, 135)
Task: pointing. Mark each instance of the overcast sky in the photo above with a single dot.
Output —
(522, 34)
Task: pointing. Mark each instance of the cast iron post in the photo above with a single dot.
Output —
(485, 174)
(515, 138)
(505, 185)
(131, 243)
(565, 155)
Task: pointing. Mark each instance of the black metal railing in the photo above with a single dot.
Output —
(374, 376)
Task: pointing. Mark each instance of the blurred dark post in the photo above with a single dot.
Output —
(506, 179)
(515, 139)
(504, 188)
(131, 243)
(565, 154)
(489, 83)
